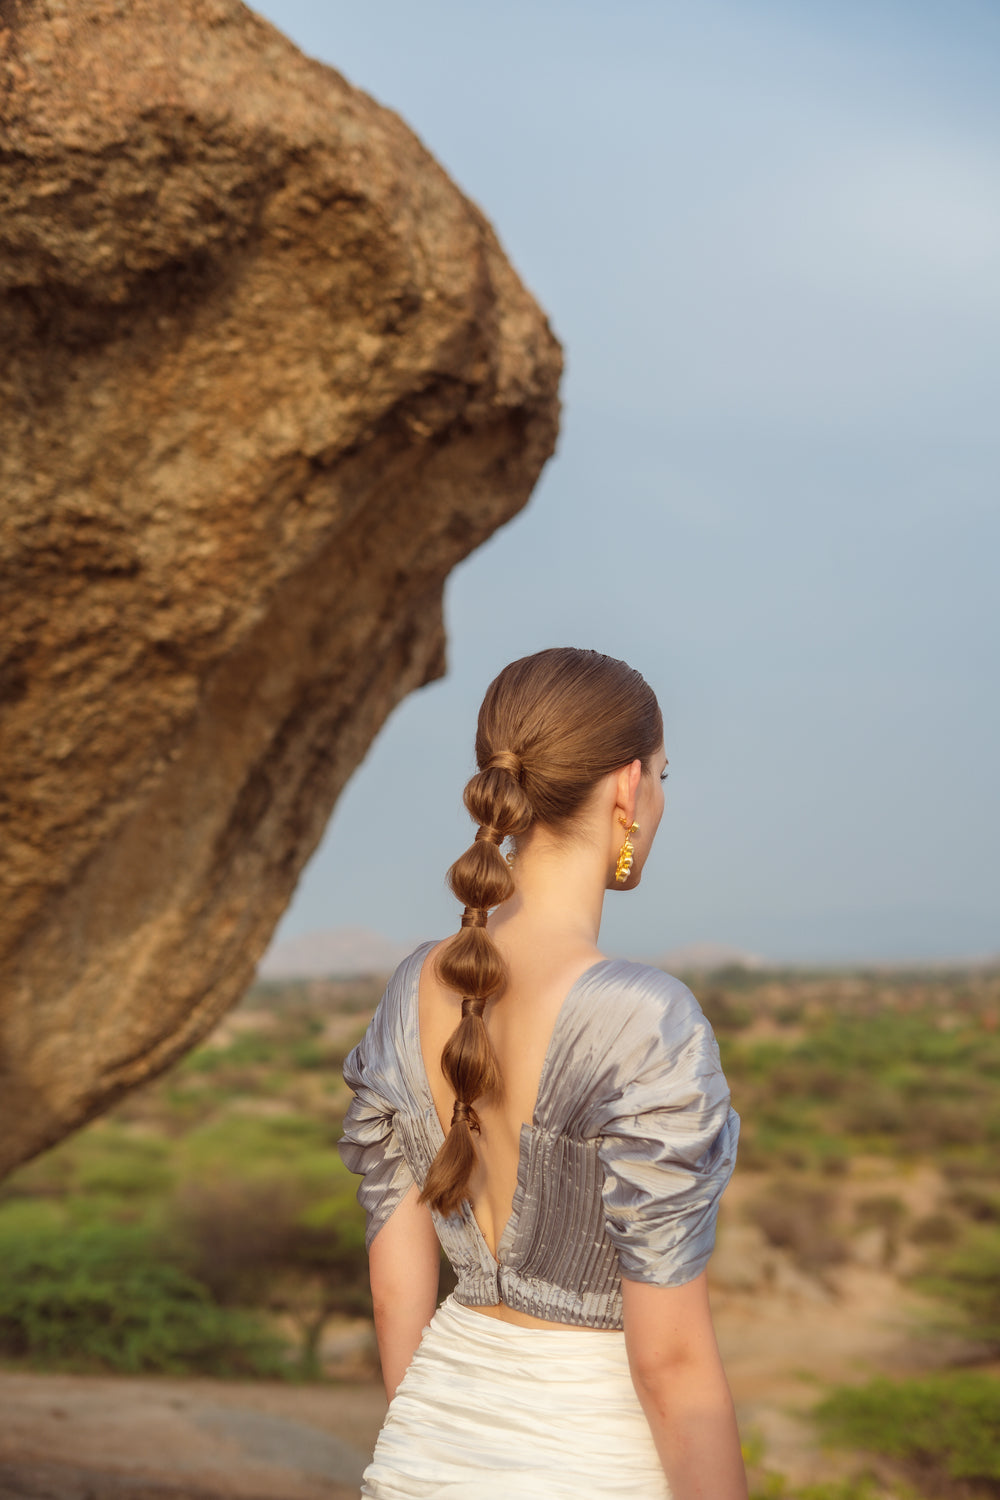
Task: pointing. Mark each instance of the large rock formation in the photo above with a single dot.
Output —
(266, 378)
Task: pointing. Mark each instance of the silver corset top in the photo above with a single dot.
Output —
(632, 1141)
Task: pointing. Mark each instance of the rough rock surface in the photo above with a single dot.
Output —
(267, 376)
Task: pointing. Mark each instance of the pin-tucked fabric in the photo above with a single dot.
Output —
(632, 1142)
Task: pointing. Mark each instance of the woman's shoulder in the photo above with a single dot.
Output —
(646, 995)
(627, 1022)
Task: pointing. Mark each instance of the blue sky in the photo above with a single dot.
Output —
(768, 236)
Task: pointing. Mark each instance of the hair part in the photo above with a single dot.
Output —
(551, 726)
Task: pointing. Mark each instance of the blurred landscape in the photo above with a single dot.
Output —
(273, 389)
(206, 1228)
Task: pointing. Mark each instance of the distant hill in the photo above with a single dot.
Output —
(704, 957)
(344, 951)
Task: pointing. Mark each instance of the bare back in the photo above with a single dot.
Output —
(520, 1026)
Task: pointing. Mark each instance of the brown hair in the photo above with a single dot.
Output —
(551, 727)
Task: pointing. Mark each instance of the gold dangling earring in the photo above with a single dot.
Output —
(626, 854)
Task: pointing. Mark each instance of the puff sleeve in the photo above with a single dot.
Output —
(668, 1145)
(370, 1144)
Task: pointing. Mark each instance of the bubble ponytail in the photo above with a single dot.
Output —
(472, 964)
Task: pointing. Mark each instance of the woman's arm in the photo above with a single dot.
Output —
(682, 1387)
(404, 1263)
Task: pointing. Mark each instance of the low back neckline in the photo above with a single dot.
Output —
(412, 1021)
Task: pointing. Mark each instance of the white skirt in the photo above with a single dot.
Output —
(491, 1411)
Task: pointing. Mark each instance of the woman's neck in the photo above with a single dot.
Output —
(560, 889)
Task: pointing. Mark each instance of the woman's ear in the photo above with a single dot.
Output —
(628, 789)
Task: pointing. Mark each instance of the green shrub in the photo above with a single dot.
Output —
(967, 1278)
(233, 1234)
(769, 1484)
(874, 1110)
(246, 1144)
(314, 1055)
(101, 1297)
(122, 1166)
(942, 1122)
(28, 1217)
(945, 1424)
(107, 1161)
(754, 1153)
(776, 1487)
(50, 1175)
(271, 1242)
(253, 1048)
(725, 1012)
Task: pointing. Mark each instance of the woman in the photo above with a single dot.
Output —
(559, 1121)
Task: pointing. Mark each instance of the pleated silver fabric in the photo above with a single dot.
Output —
(489, 1411)
(632, 1141)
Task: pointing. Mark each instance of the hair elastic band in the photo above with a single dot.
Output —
(505, 760)
(464, 1114)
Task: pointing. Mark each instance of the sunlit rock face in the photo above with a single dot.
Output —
(266, 377)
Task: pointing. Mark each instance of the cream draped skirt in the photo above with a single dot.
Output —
(491, 1411)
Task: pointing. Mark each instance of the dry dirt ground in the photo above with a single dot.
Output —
(76, 1437)
(71, 1437)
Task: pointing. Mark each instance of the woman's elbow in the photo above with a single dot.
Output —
(653, 1371)
(670, 1335)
